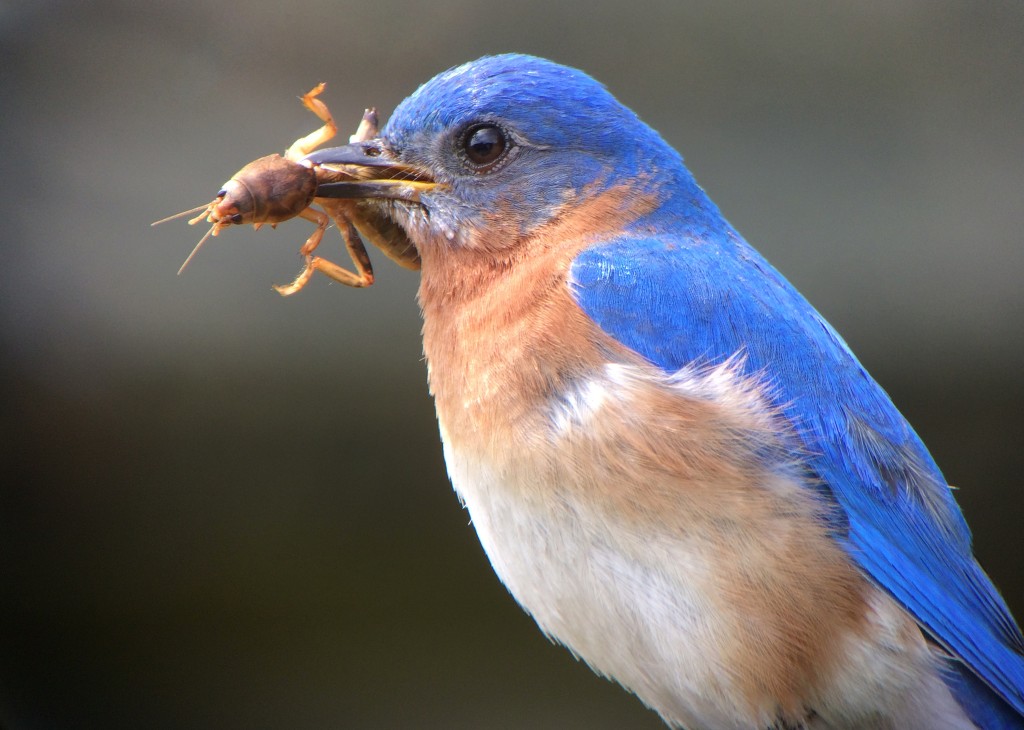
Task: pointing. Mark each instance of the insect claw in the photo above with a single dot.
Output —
(369, 127)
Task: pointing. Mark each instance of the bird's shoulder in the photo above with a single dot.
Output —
(702, 297)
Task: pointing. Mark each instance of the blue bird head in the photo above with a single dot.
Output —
(495, 148)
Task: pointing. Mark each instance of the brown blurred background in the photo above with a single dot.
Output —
(224, 509)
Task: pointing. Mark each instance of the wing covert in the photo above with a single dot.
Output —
(679, 300)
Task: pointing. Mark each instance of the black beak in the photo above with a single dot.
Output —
(376, 173)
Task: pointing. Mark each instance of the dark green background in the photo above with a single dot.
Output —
(222, 509)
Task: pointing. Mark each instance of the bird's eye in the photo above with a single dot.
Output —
(484, 145)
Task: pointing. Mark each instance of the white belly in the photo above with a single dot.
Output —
(609, 602)
(650, 526)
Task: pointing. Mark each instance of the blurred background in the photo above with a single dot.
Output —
(221, 508)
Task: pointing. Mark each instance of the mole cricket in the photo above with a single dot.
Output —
(276, 188)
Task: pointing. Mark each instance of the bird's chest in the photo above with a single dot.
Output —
(640, 521)
(501, 369)
(591, 581)
(724, 612)
(528, 466)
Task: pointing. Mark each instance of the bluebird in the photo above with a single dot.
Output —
(672, 461)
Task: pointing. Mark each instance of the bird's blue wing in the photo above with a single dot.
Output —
(705, 296)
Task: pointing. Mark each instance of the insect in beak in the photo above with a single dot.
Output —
(277, 188)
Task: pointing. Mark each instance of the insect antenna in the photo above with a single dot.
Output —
(198, 245)
(182, 214)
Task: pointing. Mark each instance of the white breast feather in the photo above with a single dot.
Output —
(640, 608)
